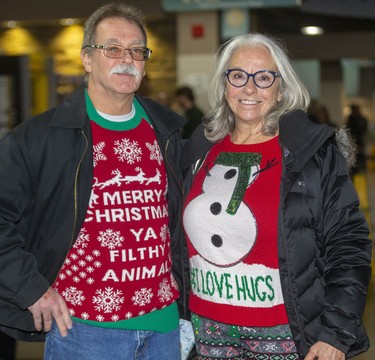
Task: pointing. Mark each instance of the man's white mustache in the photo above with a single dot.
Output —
(125, 69)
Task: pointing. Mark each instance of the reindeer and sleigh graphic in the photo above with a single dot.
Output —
(128, 152)
(117, 179)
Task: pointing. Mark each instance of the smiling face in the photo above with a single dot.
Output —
(249, 103)
(102, 79)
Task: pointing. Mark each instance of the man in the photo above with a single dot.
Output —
(357, 125)
(89, 211)
(186, 100)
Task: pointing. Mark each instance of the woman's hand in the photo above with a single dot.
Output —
(324, 351)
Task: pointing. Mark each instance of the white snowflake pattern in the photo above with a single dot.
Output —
(90, 281)
(142, 297)
(72, 312)
(74, 256)
(96, 253)
(164, 293)
(81, 252)
(82, 239)
(85, 316)
(270, 347)
(75, 268)
(73, 296)
(98, 153)
(68, 272)
(128, 151)
(83, 275)
(141, 313)
(174, 282)
(216, 352)
(62, 276)
(164, 232)
(128, 315)
(100, 318)
(110, 239)
(67, 261)
(155, 153)
(108, 300)
(82, 263)
(76, 279)
(97, 264)
(89, 258)
(115, 318)
(90, 269)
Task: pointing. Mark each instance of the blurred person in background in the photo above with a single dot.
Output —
(186, 101)
(358, 125)
(319, 113)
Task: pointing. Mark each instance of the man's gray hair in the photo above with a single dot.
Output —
(112, 10)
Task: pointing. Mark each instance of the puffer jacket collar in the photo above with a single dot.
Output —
(302, 138)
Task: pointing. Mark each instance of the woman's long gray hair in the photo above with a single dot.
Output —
(294, 95)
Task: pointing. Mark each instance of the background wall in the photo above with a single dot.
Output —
(197, 41)
(183, 47)
(45, 9)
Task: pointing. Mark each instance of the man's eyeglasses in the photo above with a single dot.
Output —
(118, 51)
(262, 79)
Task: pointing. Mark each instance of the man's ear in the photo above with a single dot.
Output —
(86, 61)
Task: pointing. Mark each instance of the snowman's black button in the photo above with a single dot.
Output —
(215, 208)
(217, 240)
(230, 174)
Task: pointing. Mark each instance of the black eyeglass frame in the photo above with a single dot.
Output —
(275, 74)
(146, 51)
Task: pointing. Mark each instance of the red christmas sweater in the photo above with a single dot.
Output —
(230, 219)
(120, 265)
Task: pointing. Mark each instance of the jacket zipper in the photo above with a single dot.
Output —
(171, 169)
(285, 190)
(75, 199)
(183, 290)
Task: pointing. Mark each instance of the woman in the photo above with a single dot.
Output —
(279, 251)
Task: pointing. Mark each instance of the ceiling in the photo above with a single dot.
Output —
(290, 20)
(349, 28)
(334, 16)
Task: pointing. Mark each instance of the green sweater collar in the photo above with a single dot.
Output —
(112, 125)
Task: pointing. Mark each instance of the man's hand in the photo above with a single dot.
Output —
(324, 351)
(51, 306)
